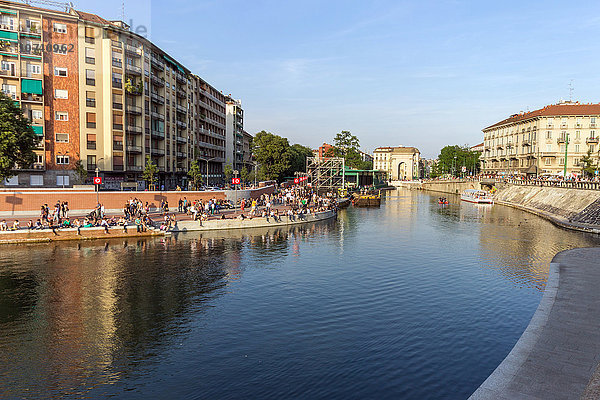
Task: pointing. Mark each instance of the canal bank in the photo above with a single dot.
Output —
(557, 356)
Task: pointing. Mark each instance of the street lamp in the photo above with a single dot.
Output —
(207, 160)
(98, 186)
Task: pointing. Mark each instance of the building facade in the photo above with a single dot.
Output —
(399, 163)
(234, 132)
(108, 99)
(542, 141)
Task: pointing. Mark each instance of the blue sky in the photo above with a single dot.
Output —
(416, 73)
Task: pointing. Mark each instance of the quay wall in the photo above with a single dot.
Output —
(28, 202)
(448, 187)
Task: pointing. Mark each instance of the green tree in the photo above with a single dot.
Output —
(195, 175)
(346, 143)
(452, 158)
(588, 166)
(149, 174)
(228, 172)
(80, 171)
(297, 155)
(271, 152)
(17, 139)
(244, 174)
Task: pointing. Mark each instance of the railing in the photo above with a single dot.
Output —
(134, 168)
(117, 63)
(156, 115)
(133, 129)
(133, 68)
(591, 140)
(158, 152)
(134, 149)
(157, 98)
(4, 72)
(133, 109)
(157, 81)
(133, 50)
(118, 146)
(157, 134)
(547, 183)
(157, 63)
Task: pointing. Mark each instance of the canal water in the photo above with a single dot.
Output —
(412, 300)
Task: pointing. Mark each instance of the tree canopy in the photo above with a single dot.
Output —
(17, 138)
(347, 146)
(150, 171)
(452, 158)
(297, 155)
(271, 152)
(195, 175)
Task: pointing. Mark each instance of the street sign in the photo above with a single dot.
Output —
(97, 180)
(235, 181)
(236, 172)
(464, 169)
(296, 180)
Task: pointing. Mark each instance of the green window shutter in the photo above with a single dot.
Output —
(31, 86)
(12, 36)
(39, 130)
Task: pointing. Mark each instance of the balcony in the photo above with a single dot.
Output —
(592, 125)
(135, 51)
(181, 139)
(135, 70)
(4, 72)
(133, 109)
(499, 146)
(157, 134)
(156, 115)
(117, 63)
(117, 106)
(179, 154)
(116, 44)
(181, 94)
(181, 109)
(155, 62)
(181, 124)
(158, 81)
(133, 130)
(157, 152)
(118, 167)
(157, 98)
(134, 149)
(136, 168)
(180, 78)
(118, 146)
(560, 140)
(526, 143)
(591, 140)
(117, 84)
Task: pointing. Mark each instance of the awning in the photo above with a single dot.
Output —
(38, 130)
(31, 86)
(12, 36)
(532, 170)
(5, 11)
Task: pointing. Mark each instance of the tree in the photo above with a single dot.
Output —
(297, 155)
(228, 172)
(195, 175)
(244, 174)
(347, 146)
(452, 158)
(150, 172)
(588, 167)
(271, 152)
(17, 138)
(80, 171)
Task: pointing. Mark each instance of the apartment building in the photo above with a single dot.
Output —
(247, 151)
(234, 152)
(101, 95)
(399, 163)
(542, 141)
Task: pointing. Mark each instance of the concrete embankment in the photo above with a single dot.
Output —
(558, 354)
(46, 235)
(257, 222)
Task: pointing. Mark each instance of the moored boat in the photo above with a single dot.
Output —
(366, 200)
(477, 196)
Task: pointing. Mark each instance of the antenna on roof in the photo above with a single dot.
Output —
(571, 91)
(123, 11)
(56, 4)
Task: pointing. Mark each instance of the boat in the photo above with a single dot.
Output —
(366, 200)
(343, 202)
(477, 196)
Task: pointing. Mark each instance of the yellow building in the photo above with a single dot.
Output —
(536, 142)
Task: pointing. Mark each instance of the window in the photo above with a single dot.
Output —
(62, 138)
(60, 28)
(59, 71)
(575, 162)
(39, 159)
(60, 49)
(61, 94)
(12, 181)
(62, 160)
(90, 119)
(548, 161)
(36, 180)
(562, 148)
(561, 161)
(90, 55)
(90, 99)
(9, 90)
(577, 134)
(592, 134)
(91, 162)
(91, 142)
(37, 114)
(33, 69)
(591, 148)
(90, 77)
(576, 148)
(62, 180)
(548, 134)
(89, 35)
(549, 148)
(61, 116)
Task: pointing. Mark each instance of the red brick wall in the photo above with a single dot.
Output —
(70, 83)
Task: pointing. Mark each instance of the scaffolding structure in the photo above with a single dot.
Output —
(326, 173)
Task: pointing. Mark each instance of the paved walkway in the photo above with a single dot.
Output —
(559, 352)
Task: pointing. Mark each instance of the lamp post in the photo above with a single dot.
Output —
(98, 186)
(255, 171)
(207, 160)
(235, 185)
(566, 153)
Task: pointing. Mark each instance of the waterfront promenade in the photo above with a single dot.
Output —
(558, 354)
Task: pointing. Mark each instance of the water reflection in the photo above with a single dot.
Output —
(369, 305)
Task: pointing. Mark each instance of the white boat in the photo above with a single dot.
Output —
(477, 196)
